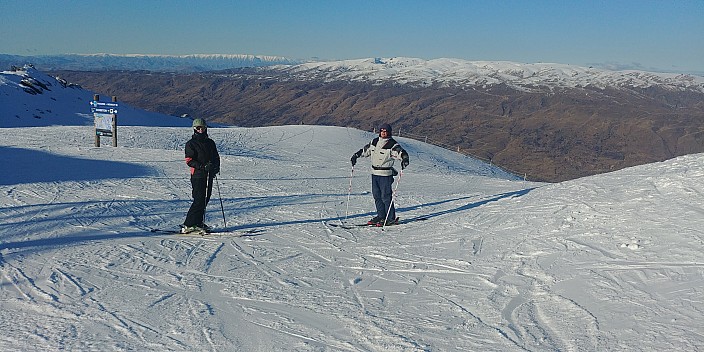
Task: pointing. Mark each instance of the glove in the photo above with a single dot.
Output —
(404, 163)
(208, 167)
(216, 170)
(354, 159)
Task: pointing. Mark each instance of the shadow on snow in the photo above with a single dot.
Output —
(168, 207)
(461, 208)
(29, 166)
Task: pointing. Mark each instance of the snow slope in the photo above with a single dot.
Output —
(31, 98)
(606, 263)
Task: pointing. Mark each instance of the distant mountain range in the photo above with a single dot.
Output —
(158, 63)
(416, 72)
(549, 122)
(482, 74)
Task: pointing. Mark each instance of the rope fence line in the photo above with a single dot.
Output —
(425, 139)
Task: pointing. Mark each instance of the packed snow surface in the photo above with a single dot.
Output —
(613, 262)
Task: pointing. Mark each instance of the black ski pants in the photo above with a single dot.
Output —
(202, 189)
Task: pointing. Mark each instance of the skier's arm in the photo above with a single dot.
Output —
(191, 158)
(216, 159)
(400, 154)
(365, 152)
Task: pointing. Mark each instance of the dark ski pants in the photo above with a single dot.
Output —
(202, 190)
(382, 192)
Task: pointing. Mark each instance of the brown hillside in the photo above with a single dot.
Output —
(546, 135)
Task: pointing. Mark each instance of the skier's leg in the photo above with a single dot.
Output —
(387, 197)
(209, 191)
(197, 209)
(378, 196)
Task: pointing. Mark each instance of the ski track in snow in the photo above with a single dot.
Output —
(610, 262)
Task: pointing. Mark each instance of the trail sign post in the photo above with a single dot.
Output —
(105, 116)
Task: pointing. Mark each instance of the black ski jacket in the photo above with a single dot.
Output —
(200, 150)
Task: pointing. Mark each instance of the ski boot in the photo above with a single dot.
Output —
(375, 221)
(388, 222)
(192, 229)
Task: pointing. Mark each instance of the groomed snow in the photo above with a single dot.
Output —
(606, 263)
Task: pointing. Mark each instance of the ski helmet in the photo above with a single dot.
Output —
(199, 123)
(386, 127)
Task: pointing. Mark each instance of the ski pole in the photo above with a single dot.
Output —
(349, 192)
(393, 197)
(205, 200)
(222, 208)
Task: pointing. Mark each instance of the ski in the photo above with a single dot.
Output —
(406, 221)
(165, 231)
(351, 226)
(348, 226)
(237, 233)
(398, 222)
(178, 232)
(211, 234)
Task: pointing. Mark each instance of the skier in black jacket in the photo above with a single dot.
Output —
(204, 161)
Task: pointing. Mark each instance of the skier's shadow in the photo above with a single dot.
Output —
(461, 208)
(468, 206)
(252, 230)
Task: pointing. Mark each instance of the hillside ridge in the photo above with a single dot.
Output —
(545, 134)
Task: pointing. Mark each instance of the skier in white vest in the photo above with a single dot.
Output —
(384, 150)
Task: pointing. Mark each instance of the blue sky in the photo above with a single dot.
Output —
(646, 34)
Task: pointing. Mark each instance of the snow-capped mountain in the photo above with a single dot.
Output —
(399, 70)
(161, 63)
(29, 97)
(456, 72)
(551, 122)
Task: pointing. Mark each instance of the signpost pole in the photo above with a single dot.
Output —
(114, 125)
(96, 97)
(105, 117)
